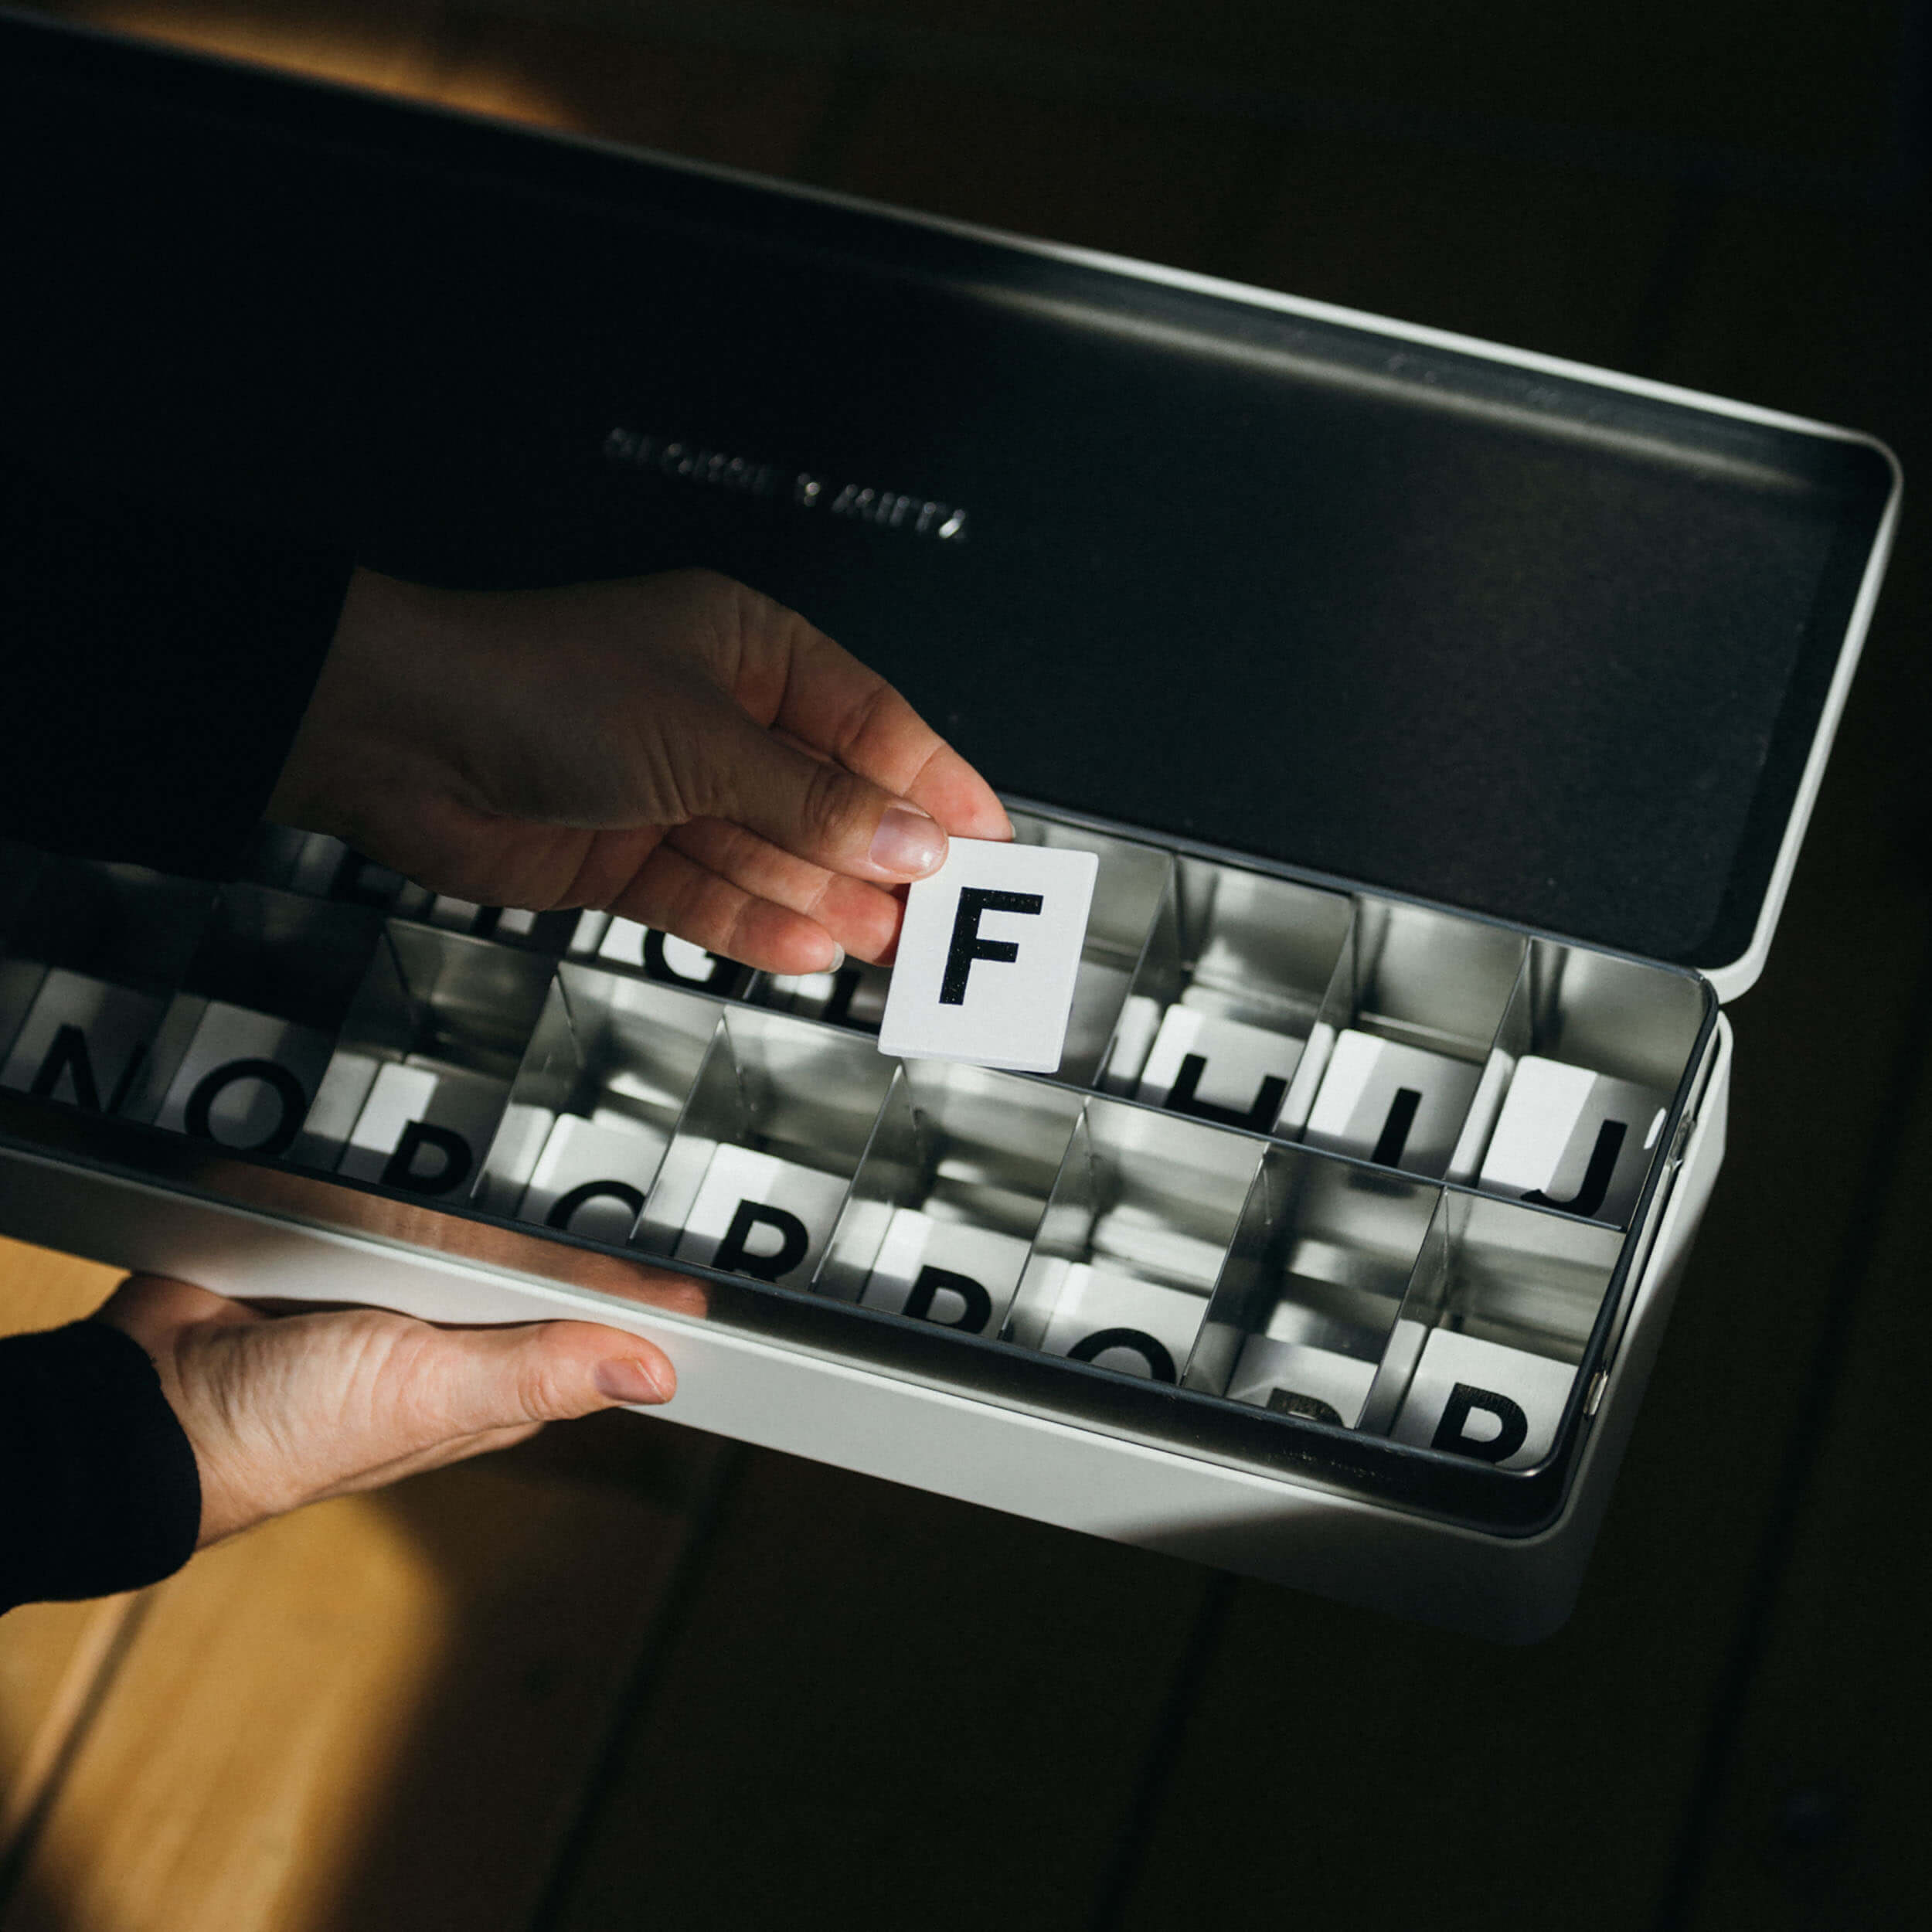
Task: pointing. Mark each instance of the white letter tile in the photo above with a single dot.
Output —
(758, 1215)
(988, 956)
(1393, 1104)
(1220, 1070)
(1116, 1321)
(83, 1041)
(456, 915)
(676, 962)
(1298, 1378)
(598, 1176)
(422, 1129)
(254, 1112)
(974, 1271)
(1474, 1398)
(1570, 1138)
(854, 996)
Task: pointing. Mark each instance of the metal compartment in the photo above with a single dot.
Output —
(1309, 608)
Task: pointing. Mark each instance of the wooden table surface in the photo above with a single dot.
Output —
(629, 1675)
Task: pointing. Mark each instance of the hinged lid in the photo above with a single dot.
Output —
(1481, 627)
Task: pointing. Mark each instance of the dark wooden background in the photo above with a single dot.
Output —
(632, 1676)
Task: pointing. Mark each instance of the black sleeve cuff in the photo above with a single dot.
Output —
(99, 1492)
(158, 669)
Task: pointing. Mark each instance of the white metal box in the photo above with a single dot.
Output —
(1445, 720)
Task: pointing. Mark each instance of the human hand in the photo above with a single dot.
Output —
(284, 1411)
(676, 749)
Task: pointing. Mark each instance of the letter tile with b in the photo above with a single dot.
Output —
(988, 956)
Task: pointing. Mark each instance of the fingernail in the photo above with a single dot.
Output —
(908, 842)
(837, 959)
(625, 1378)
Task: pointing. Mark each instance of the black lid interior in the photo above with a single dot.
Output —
(1526, 645)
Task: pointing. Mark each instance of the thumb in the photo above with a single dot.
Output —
(489, 1379)
(816, 809)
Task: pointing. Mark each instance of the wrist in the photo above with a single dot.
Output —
(380, 621)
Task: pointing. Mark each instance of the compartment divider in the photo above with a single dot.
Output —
(1133, 1239)
(949, 1197)
(1129, 890)
(1597, 1047)
(1405, 1069)
(1499, 1311)
(713, 1114)
(887, 1181)
(1224, 1019)
(715, 1117)
(427, 1060)
(759, 1172)
(1512, 1041)
(1325, 1253)
(92, 967)
(596, 1101)
(241, 1058)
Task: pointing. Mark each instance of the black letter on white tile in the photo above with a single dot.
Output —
(1160, 1364)
(978, 1309)
(1395, 1129)
(734, 1254)
(1455, 1415)
(68, 1055)
(1603, 1164)
(287, 1089)
(565, 1205)
(1286, 1402)
(968, 946)
(1183, 1099)
(456, 1159)
(725, 978)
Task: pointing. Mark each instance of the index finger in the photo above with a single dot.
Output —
(835, 706)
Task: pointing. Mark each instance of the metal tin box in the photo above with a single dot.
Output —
(1442, 715)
